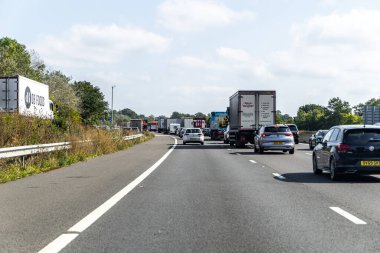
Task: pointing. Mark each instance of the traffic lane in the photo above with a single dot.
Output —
(354, 192)
(204, 199)
(37, 209)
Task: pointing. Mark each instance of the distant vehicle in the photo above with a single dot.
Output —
(26, 97)
(193, 135)
(161, 125)
(166, 124)
(274, 137)
(317, 137)
(248, 111)
(218, 124)
(295, 132)
(371, 114)
(173, 127)
(348, 149)
(153, 126)
(139, 123)
(135, 129)
(187, 123)
(206, 131)
(226, 135)
(199, 123)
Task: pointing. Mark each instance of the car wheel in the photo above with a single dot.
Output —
(261, 150)
(232, 144)
(297, 141)
(316, 171)
(202, 143)
(333, 174)
(310, 146)
(184, 143)
(291, 151)
(284, 151)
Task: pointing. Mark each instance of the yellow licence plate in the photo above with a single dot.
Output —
(278, 142)
(370, 163)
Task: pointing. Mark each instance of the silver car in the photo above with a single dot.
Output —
(274, 137)
(193, 135)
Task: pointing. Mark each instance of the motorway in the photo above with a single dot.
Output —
(210, 198)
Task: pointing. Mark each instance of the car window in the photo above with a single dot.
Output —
(335, 134)
(193, 131)
(328, 135)
(362, 136)
(282, 129)
(293, 127)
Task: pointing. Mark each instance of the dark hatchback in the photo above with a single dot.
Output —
(348, 149)
(317, 137)
(295, 132)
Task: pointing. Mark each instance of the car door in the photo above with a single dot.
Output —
(324, 150)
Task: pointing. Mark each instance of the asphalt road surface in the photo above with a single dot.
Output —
(162, 197)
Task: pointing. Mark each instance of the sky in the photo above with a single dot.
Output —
(192, 55)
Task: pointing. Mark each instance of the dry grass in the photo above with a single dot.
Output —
(86, 143)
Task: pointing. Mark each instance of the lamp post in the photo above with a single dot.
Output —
(113, 86)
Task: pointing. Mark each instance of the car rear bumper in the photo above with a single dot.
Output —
(354, 166)
(271, 146)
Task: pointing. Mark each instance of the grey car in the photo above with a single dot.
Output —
(274, 137)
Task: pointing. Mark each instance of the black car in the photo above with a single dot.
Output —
(348, 149)
(295, 132)
(317, 137)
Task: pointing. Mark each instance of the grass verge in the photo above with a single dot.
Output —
(102, 142)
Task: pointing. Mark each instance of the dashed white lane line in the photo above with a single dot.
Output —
(63, 240)
(348, 216)
(276, 175)
(252, 161)
(229, 149)
(308, 154)
(238, 154)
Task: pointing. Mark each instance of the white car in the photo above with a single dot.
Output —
(194, 135)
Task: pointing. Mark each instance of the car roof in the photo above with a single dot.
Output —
(348, 127)
(276, 125)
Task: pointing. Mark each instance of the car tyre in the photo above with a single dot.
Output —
(202, 143)
(184, 143)
(291, 151)
(232, 144)
(316, 170)
(333, 174)
(284, 151)
(310, 146)
(261, 150)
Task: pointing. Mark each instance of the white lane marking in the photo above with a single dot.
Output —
(252, 161)
(348, 216)
(308, 154)
(278, 176)
(303, 144)
(59, 243)
(229, 149)
(63, 240)
(238, 154)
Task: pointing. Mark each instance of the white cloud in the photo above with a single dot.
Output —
(194, 15)
(233, 54)
(92, 44)
(196, 62)
(339, 53)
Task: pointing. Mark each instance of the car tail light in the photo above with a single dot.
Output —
(264, 135)
(220, 132)
(343, 148)
(288, 134)
(242, 138)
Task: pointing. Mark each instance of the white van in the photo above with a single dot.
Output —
(173, 127)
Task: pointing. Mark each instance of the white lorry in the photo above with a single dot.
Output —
(26, 97)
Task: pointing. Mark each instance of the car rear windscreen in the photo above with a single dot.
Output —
(194, 131)
(293, 128)
(362, 136)
(277, 129)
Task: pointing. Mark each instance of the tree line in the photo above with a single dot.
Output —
(338, 112)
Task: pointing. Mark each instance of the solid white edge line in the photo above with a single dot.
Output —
(348, 216)
(87, 221)
(308, 154)
(252, 161)
(278, 176)
(59, 243)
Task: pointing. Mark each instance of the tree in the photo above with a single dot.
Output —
(92, 104)
(61, 92)
(130, 113)
(16, 60)
(337, 108)
(358, 109)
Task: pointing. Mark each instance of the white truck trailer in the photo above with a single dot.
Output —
(25, 96)
(248, 111)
